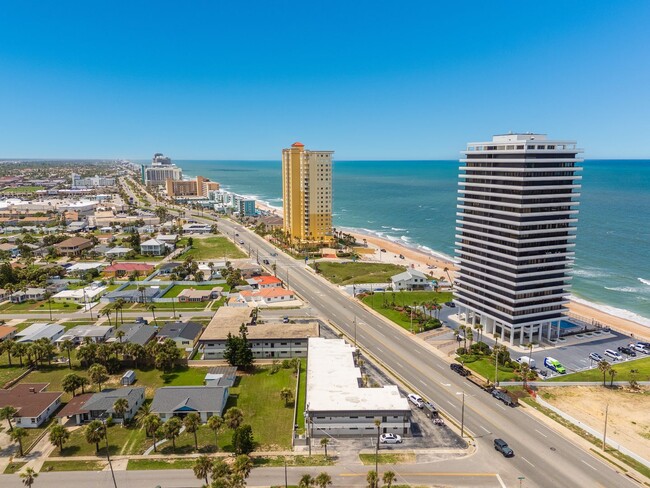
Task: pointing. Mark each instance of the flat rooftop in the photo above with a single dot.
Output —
(333, 382)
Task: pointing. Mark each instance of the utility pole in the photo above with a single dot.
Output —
(355, 332)
(285, 473)
(605, 429)
(496, 361)
(462, 416)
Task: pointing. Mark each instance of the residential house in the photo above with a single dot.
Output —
(268, 340)
(168, 268)
(117, 252)
(221, 376)
(80, 269)
(196, 228)
(338, 405)
(153, 247)
(178, 401)
(192, 295)
(7, 332)
(12, 249)
(184, 334)
(21, 296)
(264, 282)
(119, 270)
(82, 333)
(134, 333)
(81, 296)
(265, 297)
(35, 405)
(146, 295)
(105, 238)
(170, 239)
(92, 406)
(4, 294)
(73, 246)
(411, 279)
(40, 330)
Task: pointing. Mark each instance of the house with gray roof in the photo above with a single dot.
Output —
(184, 334)
(221, 376)
(133, 333)
(170, 401)
(80, 333)
(117, 252)
(134, 295)
(411, 279)
(91, 406)
(153, 247)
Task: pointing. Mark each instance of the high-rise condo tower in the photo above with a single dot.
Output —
(307, 193)
(516, 223)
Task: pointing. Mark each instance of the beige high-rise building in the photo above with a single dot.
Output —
(307, 193)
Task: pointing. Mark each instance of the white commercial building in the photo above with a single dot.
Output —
(91, 181)
(517, 212)
(160, 171)
(88, 294)
(338, 404)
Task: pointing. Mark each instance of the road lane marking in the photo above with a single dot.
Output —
(379, 349)
(445, 384)
(399, 364)
(503, 485)
(585, 462)
(501, 407)
(540, 433)
(450, 403)
(528, 461)
(474, 475)
(424, 383)
(486, 430)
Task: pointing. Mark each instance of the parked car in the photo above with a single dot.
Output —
(640, 348)
(241, 242)
(450, 304)
(383, 250)
(644, 344)
(594, 356)
(554, 365)
(274, 254)
(416, 400)
(503, 447)
(526, 360)
(459, 369)
(285, 320)
(266, 261)
(505, 397)
(390, 439)
(613, 354)
(626, 350)
(431, 410)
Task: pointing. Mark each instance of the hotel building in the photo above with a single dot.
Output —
(198, 187)
(160, 171)
(307, 193)
(516, 223)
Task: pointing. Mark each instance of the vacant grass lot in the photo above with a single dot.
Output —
(622, 372)
(169, 306)
(23, 189)
(213, 248)
(38, 307)
(121, 441)
(485, 367)
(349, 273)
(376, 302)
(146, 464)
(392, 458)
(73, 466)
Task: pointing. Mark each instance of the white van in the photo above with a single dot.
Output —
(526, 360)
(613, 354)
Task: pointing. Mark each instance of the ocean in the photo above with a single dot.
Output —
(414, 202)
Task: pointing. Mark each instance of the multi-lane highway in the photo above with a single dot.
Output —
(543, 457)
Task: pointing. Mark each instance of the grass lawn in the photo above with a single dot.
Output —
(277, 461)
(13, 468)
(349, 273)
(213, 248)
(73, 466)
(392, 458)
(23, 189)
(145, 464)
(302, 396)
(8, 373)
(141, 259)
(38, 307)
(176, 289)
(170, 306)
(121, 441)
(485, 367)
(403, 319)
(622, 369)
(258, 396)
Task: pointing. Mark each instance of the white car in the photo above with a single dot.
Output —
(640, 348)
(416, 400)
(390, 439)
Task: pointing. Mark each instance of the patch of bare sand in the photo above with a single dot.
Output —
(628, 419)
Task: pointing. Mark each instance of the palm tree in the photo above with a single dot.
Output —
(324, 442)
(214, 424)
(28, 476)
(306, 481)
(7, 413)
(287, 395)
(242, 465)
(192, 422)
(388, 479)
(59, 435)
(604, 367)
(106, 312)
(234, 417)
(83, 383)
(612, 373)
(372, 479)
(525, 370)
(119, 334)
(67, 346)
(172, 429)
(151, 423)
(202, 468)
(19, 350)
(120, 407)
(323, 480)
(98, 374)
(94, 433)
(8, 346)
(152, 307)
(17, 435)
(119, 305)
(479, 329)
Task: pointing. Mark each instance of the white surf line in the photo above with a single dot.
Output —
(528, 461)
(585, 462)
(503, 485)
(541, 433)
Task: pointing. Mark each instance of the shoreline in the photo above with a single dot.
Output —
(422, 258)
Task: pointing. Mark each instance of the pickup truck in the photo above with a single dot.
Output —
(505, 396)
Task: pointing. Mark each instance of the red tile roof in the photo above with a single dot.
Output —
(28, 403)
(267, 280)
(74, 406)
(6, 330)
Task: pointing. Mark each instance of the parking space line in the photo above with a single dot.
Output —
(379, 349)
(503, 485)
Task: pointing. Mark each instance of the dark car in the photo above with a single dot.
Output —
(450, 304)
(266, 261)
(459, 369)
(503, 447)
(627, 350)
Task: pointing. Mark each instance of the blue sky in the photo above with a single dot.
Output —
(368, 79)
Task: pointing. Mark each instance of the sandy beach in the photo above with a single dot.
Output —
(435, 266)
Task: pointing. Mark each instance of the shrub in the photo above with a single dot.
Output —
(286, 364)
(480, 348)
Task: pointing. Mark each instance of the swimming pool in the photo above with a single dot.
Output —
(565, 324)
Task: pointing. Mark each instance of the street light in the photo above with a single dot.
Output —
(462, 415)
(108, 456)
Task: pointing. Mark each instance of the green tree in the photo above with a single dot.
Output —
(214, 424)
(324, 442)
(604, 367)
(17, 435)
(70, 383)
(388, 479)
(372, 479)
(242, 465)
(233, 417)
(242, 439)
(7, 413)
(153, 307)
(612, 373)
(172, 429)
(306, 481)
(59, 435)
(98, 374)
(94, 433)
(192, 422)
(323, 480)
(287, 395)
(202, 468)
(120, 407)
(67, 346)
(238, 351)
(151, 423)
(28, 477)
